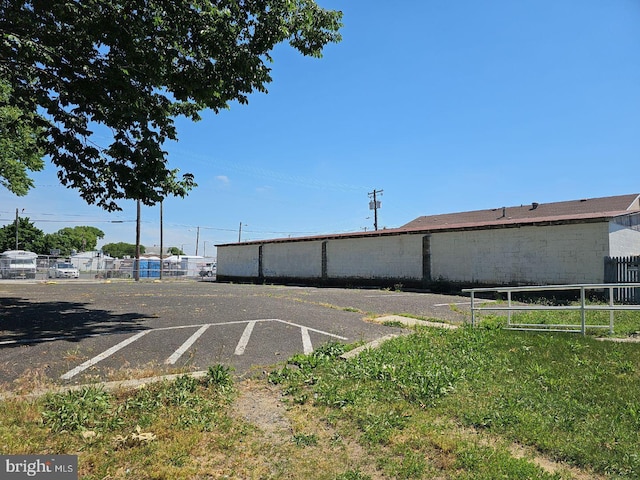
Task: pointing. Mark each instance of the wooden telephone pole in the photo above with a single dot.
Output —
(374, 205)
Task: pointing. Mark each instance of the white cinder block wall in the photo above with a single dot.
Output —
(389, 257)
(623, 241)
(551, 254)
(292, 259)
(238, 261)
(531, 255)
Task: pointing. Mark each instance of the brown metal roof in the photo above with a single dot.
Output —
(588, 209)
(531, 213)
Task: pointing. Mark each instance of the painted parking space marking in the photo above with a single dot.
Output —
(244, 339)
(202, 328)
(310, 329)
(186, 345)
(107, 353)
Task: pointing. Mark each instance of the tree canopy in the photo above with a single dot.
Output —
(30, 237)
(121, 249)
(68, 239)
(134, 66)
(80, 239)
(21, 145)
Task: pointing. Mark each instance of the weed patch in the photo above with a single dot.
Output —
(87, 409)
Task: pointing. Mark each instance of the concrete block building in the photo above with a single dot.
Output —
(538, 243)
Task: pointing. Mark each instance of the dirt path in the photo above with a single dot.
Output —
(261, 405)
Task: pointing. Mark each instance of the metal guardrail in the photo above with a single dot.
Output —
(583, 307)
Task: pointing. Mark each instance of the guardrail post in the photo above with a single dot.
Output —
(473, 312)
(582, 311)
(611, 312)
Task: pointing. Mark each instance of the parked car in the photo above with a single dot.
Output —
(208, 270)
(63, 270)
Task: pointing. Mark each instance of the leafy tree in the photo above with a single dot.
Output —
(57, 241)
(121, 249)
(80, 239)
(29, 237)
(175, 251)
(21, 145)
(135, 66)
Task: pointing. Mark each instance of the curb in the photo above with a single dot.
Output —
(406, 321)
(412, 322)
(109, 386)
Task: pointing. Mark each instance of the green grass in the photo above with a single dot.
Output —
(471, 403)
(573, 398)
(108, 430)
(570, 398)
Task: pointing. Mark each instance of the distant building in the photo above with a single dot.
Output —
(538, 243)
(93, 261)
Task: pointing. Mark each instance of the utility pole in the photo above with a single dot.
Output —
(136, 269)
(161, 243)
(17, 222)
(240, 233)
(374, 205)
(197, 239)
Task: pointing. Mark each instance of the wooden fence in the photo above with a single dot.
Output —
(623, 270)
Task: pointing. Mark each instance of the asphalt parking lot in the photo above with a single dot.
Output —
(75, 331)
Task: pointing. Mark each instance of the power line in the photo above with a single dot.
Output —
(69, 218)
(40, 220)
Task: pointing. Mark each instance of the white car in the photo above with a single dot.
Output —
(63, 270)
(208, 270)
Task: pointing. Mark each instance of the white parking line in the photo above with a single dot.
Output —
(244, 339)
(311, 329)
(240, 348)
(102, 356)
(185, 346)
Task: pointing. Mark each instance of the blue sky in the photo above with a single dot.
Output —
(444, 105)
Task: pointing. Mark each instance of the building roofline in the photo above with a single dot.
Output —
(571, 211)
(496, 224)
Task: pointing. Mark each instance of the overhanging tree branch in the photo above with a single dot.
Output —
(134, 66)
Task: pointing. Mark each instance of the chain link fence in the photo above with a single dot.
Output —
(100, 267)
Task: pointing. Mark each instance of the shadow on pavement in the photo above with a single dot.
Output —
(26, 322)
